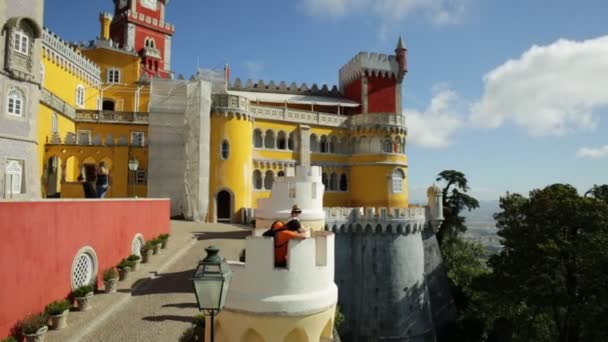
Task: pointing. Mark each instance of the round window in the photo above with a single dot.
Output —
(84, 267)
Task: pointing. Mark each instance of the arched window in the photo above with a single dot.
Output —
(324, 179)
(387, 146)
(291, 142)
(281, 174)
(333, 182)
(269, 139)
(15, 102)
(403, 145)
(257, 180)
(343, 182)
(281, 140)
(333, 143)
(80, 95)
(323, 144)
(13, 176)
(268, 180)
(397, 181)
(225, 149)
(363, 145)
(314, 143)
(257, 138)
(108, 104)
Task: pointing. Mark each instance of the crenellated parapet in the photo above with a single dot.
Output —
(63, 54)
(306, 286)
(372, 64)
(376, 220)
(146, 20)
(283, 88)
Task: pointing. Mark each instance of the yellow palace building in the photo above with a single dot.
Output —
(95, 106)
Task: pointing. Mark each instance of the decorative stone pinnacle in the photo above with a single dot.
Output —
(400, 45)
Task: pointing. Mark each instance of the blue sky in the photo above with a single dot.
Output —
(514, 94)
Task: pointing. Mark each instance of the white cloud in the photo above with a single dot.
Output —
(439, 11)
(592, 152)
(435, 126)
(549, 90)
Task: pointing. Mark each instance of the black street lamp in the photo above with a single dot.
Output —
(133, 166)
(211, 280)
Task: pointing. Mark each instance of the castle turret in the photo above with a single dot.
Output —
(435, 203)
(267, 303)
(401, 54)
(105, 20)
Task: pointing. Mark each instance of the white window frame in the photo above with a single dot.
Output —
(15, 102)
(83, 132)
(113, 75)
(21, 42)
(397, 177)
(14, 184)
(134, 138)
(80, 95)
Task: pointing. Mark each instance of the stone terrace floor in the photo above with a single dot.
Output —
(156, 302)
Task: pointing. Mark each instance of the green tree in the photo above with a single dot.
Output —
(599, 192)
(549, 281)
(455, 199)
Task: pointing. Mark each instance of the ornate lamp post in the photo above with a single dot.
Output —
(133, 165)
(211, 280)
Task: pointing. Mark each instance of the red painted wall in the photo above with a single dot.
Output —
(381, 95)
(140, 36)
(353, 91)
(40, 239)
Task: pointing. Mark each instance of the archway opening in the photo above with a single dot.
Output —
(223, 205)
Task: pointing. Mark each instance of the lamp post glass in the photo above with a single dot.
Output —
(211, 280)
(133, 166)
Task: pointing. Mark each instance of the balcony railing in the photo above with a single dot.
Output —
(57, 103)
(110, 116)
(378, 119)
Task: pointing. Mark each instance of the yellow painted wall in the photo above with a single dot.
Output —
(232, 326)
(123, 93)
(235, 173)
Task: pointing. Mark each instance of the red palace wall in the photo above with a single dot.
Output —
(353, 91)
(381, 95)
(159, 39)
(40, 240)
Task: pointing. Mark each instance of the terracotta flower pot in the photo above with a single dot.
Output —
(83, 302)
(60, 321)
(110, 285)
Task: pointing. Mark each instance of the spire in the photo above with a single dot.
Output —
(400, 45)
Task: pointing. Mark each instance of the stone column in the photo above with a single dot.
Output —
(364, 103)
(304, 145)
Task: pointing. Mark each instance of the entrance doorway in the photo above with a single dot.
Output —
(223, 208)
(53, 177)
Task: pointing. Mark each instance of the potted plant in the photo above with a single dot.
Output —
(34, 327)
(164, 239)
(136, 259)
(155, 245)
(58, 313)
(82, 295)
(123, 269)
(110, 277)
(146, 250)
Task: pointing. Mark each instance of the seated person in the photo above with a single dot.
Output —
(281, 241)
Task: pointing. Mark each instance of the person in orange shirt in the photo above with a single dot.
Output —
(282, 236)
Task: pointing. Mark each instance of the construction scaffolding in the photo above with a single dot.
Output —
(179, 132)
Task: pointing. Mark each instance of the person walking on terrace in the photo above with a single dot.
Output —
(103, 180)
(87, 187)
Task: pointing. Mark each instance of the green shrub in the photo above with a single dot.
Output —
(163, 237)
(199, 320)
(57, 307)
(146, 247)
(338, 318)
(125, 263)
(33, 322)
(82, 291)
(110, 273)
(133, 257)
(9, 339)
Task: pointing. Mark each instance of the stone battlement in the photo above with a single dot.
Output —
(149, 21)
(305, 286)
(283, 88)
(377, 220)
(63, 54)
(375, 64)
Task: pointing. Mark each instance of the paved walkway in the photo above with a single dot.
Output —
(157, 302)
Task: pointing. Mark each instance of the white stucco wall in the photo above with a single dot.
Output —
(305, 286)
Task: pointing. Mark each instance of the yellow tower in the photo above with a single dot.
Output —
(230, 152)
(105, 20)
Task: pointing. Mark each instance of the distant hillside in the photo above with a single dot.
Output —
(482, 217)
